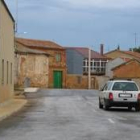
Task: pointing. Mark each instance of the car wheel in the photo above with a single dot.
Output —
(129, 108)
(106, 106)
(100, 104)
(137, 107)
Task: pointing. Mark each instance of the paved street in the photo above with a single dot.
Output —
(69, 115)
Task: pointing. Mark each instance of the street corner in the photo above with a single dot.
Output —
(11, 107)
(19, 94)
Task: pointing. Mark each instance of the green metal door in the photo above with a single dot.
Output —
(57, 78)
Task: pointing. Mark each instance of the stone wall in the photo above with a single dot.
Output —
(128, 70)
(80, 82)
(32, 67)
(101, 80)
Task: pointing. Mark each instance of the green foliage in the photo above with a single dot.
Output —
(136, 49)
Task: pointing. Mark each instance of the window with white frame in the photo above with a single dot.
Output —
(85, 65)
(97, 66)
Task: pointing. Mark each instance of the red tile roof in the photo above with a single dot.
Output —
(38, 43)
(131, 60)
(85, 53)
(26, 50)
(135, 54)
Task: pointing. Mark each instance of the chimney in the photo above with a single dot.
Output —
(102, 49)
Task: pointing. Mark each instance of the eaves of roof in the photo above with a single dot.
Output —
(111, 51)
(32, 43)
(134, 54)
(125, 63)
(84, 52)
(25, 50)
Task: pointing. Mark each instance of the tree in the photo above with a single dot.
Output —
(136, 49)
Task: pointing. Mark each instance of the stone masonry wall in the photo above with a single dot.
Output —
(31, 67)
(131, 70)
(80, 82)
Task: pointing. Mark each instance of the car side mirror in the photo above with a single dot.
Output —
(101, 89)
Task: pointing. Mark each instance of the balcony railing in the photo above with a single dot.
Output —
(95, 71)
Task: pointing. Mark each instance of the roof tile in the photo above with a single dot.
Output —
(135, 54)
(85, 52)
(38, 43)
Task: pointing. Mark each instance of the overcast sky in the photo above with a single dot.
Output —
(80, 23)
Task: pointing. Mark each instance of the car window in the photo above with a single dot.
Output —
(104, 87)
(125, 86)
(107, 86)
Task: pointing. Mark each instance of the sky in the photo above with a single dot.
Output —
(79, 23)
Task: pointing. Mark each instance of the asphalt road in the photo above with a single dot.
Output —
(69, 115)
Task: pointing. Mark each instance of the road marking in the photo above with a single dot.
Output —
(111, 121)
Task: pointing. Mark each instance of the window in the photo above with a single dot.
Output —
(97, 66)
(125, 86)
(2, 72)
(107, 86)
(11, 73)
(7, 72)
(58, 57)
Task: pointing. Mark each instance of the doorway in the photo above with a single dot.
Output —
(57, 79)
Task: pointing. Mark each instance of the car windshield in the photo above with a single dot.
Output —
(125, 86)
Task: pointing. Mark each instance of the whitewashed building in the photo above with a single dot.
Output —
(6, 53)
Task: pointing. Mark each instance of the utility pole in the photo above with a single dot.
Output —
(16, 26)
(89, 68)
(135, 39)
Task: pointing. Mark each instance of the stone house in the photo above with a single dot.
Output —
(57, 59)
(6, 53)
(78, 57)
(31, 67)
(125, 55)
(130, 69)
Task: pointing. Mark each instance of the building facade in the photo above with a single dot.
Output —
(6, 53)
(57, 60)
(31, 67)
(78, 61)
(130, 69)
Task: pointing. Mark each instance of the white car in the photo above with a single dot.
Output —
(120, 93)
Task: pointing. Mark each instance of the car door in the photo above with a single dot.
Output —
(102, 93)
(105, 91)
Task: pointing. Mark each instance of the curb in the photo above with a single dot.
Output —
(31, 89)
(14, 106)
